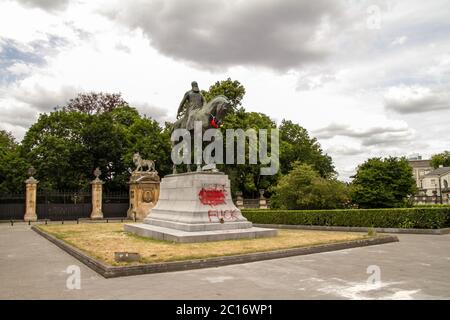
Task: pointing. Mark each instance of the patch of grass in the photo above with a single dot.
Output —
(101, 240)
(371, 232)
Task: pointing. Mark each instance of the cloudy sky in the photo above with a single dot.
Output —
(367, 78)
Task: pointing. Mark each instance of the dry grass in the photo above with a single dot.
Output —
(101, 240)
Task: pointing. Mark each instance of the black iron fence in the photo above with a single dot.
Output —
(115, 204)
(12, 206)
(63, 197)
(63, 211)
(73, 205)
(64, 205)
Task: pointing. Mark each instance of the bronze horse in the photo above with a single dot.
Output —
(211, 115)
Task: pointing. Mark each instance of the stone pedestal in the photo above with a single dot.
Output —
(30, 206)
(196, 207)
(144, 194)
(97, 191)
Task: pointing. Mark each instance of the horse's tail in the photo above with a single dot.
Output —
(170, 126)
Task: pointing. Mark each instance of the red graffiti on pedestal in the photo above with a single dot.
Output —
(223, 215)
(212, 196)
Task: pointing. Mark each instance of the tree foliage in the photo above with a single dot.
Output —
(65, 147)
(13, 168)
(441, 159)
(304, 188)
(96, 102)
(7, 141)
(246, 177)
(383, 183)
(233, 90)
(296, 145)
(101, 129)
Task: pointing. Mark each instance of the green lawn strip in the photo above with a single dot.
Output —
(64, 235)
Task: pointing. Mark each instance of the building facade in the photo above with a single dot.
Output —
(432, 184)
(420, 169)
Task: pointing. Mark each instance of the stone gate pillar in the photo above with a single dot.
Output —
(262, 200)
(97, 191)
(31, 190)
(239, 200)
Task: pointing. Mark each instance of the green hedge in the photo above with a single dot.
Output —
(417, 218)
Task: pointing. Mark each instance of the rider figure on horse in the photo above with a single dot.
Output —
(194, 109)
(192, 100)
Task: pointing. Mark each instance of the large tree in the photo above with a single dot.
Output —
(246, 177)
(66, 146)
(7, 141)
(383, 183)
(97, 129)
(55, 145)
(296, 145)
(441, 159)
(304, 188)
(13, 167)
(232, 89)
(96, 102)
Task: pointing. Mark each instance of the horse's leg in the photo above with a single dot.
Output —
(199, 165)
(188, 166)
(174, 166)
(205, 126)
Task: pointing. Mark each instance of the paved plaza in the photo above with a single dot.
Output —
(417, 267)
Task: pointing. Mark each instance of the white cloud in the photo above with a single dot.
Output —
(387, 134)
(345, 150)
(46, 4)
(225, 33)
(19, 69)
(42, 97)
(416, 99)
(399, 41)
(151, 111)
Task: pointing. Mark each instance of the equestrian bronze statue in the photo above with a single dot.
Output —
(193, 108)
